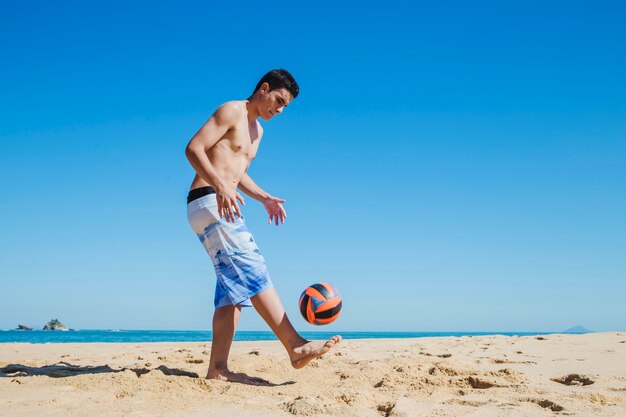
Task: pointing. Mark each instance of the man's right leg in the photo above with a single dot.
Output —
(300, 350)
(225, 321)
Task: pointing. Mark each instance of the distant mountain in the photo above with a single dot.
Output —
(577, 330)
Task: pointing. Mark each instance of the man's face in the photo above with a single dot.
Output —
(273, 102)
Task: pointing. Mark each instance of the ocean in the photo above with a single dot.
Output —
(142, 336)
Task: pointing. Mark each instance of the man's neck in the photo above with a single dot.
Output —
(253, 112)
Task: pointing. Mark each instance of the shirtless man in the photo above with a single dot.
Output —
(220, 153)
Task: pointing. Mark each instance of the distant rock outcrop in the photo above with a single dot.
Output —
(577, 330)
(55, 325)
(23, 327)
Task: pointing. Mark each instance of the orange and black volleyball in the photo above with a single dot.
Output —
(320, 303)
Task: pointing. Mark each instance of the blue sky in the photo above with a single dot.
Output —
(449, 166)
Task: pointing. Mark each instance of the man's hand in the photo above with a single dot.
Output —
(275, 209)
(227, 203)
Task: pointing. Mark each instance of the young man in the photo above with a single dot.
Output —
(220, 153)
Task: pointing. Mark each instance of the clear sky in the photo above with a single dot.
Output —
(449, 166)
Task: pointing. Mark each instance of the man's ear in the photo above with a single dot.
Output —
(265, 88)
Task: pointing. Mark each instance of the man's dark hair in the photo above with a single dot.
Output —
(279, 78)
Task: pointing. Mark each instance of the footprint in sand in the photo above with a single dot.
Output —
(304, 406)
(386, 408)
(347, 398)
(382, 383)
(574, 379)
(545, 404)
(479, 383)
(442, 355)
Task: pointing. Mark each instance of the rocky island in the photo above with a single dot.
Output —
(55, 325)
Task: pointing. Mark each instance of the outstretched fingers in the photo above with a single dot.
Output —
(241, 200)
(237, 209)
(229, 211)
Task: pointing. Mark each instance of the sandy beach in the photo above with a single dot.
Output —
(574, 375)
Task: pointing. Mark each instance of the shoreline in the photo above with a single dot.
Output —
(141, 336)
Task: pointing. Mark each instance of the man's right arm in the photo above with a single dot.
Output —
(222, 120)
(213, 130)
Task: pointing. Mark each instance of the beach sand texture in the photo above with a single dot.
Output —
(573, 375)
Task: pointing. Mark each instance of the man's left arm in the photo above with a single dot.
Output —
(273, 205)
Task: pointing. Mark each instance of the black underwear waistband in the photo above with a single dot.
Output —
(197, 193)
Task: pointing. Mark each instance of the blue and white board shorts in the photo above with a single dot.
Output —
(239, 266)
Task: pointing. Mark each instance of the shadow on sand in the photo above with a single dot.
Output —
(64, 369)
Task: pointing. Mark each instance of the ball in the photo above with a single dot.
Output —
(320, 303)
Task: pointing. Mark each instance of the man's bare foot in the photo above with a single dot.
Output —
(239, 377)
(304, 354)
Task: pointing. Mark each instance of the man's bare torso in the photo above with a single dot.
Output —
(235, 150)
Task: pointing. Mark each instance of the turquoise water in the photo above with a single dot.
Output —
(140, 336)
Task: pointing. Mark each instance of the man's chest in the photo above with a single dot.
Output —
(244, 143)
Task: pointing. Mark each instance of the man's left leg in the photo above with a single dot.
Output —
(301, 351)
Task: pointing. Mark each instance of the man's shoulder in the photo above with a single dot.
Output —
(229, 112)
(234, 107)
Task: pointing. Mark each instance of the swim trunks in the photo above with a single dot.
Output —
(239, 266)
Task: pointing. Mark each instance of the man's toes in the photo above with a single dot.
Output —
(332, 341)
